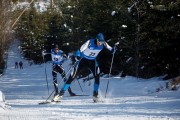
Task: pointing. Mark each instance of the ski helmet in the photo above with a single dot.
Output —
(100, 37)
(56, 46)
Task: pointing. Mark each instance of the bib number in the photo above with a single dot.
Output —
(55, 59)
(92, 54)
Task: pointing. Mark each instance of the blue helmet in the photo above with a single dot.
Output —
(100, 37)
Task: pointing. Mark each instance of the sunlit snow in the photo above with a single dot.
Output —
(128, 98)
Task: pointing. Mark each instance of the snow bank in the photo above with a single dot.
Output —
(2, 97)
(2, 100)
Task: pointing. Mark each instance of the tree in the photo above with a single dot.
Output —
(145, 29)
(5, 29)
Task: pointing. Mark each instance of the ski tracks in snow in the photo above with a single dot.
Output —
(127, 99)
(78, 108)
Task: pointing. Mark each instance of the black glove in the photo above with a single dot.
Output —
(65, 56)
(77, 58)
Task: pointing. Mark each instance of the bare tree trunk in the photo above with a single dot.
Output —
(52, 5)
(5, 29)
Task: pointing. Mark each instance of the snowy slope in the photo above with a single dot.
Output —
(128, 98)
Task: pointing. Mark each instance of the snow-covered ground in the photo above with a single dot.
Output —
(40, 6)
(128, 98)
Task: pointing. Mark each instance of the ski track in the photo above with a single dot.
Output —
(76, 109)
(24, 89)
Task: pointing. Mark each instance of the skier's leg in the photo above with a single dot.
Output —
(96, 86)
(54, 74)
(70, 92)
(67, 84)
(96, 72)
(63, 75)
(73, 74)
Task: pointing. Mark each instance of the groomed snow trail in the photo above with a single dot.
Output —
(128, 98)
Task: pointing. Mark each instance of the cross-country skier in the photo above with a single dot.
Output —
(21, 65)
(16, 65)
(89, 51)
(57, 60)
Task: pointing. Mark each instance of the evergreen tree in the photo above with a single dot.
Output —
(148, 32)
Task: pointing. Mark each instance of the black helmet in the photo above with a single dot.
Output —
(56, 46)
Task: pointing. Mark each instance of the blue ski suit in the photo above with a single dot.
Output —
(88, 53)
(57, 60)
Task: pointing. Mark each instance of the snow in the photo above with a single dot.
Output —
(113, 13)
(128, 98)
(40, 6)
(124, 26)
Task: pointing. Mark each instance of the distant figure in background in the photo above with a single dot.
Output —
(16, 65)
(21, 65)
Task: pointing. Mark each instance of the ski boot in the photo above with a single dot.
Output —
(70, 92)
(61, 94)
(56, 98)
(95, 96)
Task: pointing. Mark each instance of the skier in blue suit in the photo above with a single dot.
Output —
(57, 60)
(88, 53)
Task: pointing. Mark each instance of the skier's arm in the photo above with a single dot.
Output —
(108, 46)
(64, 55)
(45, 53)
(84, 46)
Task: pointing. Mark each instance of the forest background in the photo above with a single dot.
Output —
(148, 32)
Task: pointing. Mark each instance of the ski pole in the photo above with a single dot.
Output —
(110, 69)
(45, 73)
(67, 74)
(80, 86)
(49, 96)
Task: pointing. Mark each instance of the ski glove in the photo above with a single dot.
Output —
(43, 53)
(114, 49)
(77, 58)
